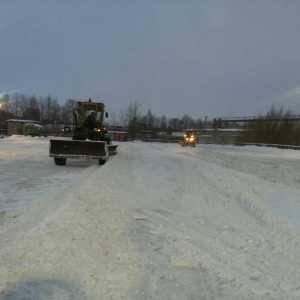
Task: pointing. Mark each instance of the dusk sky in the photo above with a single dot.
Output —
(201, 58)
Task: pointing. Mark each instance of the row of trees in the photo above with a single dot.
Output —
(49, 111)
(276, 127)
(46, 110)
(133, 118)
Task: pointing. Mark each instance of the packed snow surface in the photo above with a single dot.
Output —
(157, 221)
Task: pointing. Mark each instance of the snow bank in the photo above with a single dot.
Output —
(71, 244)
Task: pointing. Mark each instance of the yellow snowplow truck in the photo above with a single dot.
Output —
(89, 136)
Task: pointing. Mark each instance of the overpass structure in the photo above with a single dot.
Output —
(238, 122)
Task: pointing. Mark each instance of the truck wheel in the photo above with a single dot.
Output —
(102, 162)
(60, 161)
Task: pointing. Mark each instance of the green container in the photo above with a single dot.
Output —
(33, 129)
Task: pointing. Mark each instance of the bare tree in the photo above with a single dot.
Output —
(132, 118)
(133, 114)
(163, 121)
(15, 105)
(51, 110)
(41, 105)
(31, 109)
(122, 118)
(186, 121)
(68, 110)
(150, 119)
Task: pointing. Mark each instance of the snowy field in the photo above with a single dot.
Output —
(157, 221)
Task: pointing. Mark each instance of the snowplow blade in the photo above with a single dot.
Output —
(112, 149)
(78, 149)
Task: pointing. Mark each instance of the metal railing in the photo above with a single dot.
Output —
(259, 118)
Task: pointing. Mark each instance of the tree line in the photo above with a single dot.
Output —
(276, 127)
(48, 110)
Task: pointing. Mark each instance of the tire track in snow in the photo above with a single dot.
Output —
(170, 268)
(262, 237)
(211, 218)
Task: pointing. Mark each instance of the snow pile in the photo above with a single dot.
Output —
(70, 244)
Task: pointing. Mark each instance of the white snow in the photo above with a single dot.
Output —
(157, 221)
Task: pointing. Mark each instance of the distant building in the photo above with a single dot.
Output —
(15, 126)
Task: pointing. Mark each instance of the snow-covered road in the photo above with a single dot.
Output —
(158, 221)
